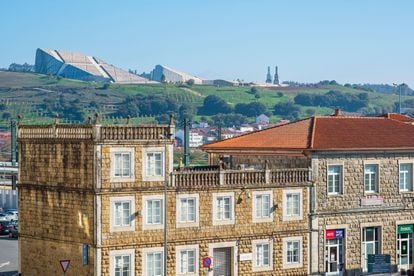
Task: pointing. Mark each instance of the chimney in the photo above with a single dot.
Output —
(337, 112)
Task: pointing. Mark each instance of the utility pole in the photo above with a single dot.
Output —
(13, 130)
(186, 142)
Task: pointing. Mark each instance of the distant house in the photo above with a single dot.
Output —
(246, 128)
(262, 119)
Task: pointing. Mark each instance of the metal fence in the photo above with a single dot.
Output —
(8, 199)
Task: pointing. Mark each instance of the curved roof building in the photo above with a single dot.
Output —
(172, 75)
(78, 66)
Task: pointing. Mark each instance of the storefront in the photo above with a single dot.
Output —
(334, 240)
(405, 246)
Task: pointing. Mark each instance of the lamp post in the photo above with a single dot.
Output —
(399, 96)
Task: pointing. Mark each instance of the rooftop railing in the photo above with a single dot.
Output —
(94, 132)
(219, 177)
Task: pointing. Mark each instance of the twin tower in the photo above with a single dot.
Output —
(269, 76)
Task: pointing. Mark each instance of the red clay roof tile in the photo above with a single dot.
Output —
(327, 133)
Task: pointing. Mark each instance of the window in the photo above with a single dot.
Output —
(262, 255)
(122, 164)
(187, 210)
(263, 206)
(153, 212)
(153, 164)
(406, 177)
(223, 208)
(334, 179)
(292, 252)
(292, 203)
(370, 243)
(152, 261)
(187, 259)
(122, 262)
(122, 213)
(371, 178)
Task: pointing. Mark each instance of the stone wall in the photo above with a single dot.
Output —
(56, 163)
(243, 231)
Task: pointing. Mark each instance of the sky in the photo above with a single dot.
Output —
(350, 41)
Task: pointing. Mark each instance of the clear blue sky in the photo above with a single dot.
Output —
(352, 41)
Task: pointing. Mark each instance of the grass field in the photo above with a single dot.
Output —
(23, 92)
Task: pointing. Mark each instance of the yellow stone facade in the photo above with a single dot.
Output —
(65, 193)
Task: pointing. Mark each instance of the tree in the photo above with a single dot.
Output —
(228, 120)
(213, 105)
(286, 109)
(253, 90)
(186, 111)
(190, 82)
(2, 107)
(6, 116)
(252, 109)
(279, 94)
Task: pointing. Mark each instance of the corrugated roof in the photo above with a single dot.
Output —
(328, 133)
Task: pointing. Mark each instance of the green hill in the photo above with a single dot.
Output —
(27, 93)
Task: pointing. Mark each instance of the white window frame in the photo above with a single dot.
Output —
(146, 251)
(118, 150)
(145, 152)
(405, 162)
(285, 241)
(377, 178)
(116, 199)
(178, 250)
(145, 225)
(255, 267)
(341, 178)
(232, 211)
(180, 223)
(115, 253)
(261, 218)
(287, 217)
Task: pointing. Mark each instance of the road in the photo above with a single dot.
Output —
(8, 256)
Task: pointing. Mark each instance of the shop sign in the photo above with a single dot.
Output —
(370, 201)
(334, 234)
(405, 229)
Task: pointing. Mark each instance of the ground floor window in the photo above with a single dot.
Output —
(334, 261)
(122, 262)
(371, 242)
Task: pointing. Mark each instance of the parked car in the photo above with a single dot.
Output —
(5, 227)
(4, 217)
(14, 232)
(13, 214)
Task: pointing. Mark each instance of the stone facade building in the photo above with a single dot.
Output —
(361, 200)
(94, 195)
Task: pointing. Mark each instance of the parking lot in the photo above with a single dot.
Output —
(8, 256)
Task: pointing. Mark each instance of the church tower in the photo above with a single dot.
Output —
(269, 76)
(276, 79)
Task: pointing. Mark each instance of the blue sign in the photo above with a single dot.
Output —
(85, 254)
(339, 234)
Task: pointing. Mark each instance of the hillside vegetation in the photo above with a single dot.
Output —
(38, 97)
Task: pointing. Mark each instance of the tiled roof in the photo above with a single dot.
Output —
(328, 133)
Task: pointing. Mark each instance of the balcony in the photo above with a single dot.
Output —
(94, 132)
(245, 178)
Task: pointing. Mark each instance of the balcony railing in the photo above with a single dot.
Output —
(94, 132)
(213, 178)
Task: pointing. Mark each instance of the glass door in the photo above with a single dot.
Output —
(370, 243)
(332, 258)
(404, 247)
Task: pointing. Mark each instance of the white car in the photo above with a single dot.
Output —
(12, 214)
(4, 217)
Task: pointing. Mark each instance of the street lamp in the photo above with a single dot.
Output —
(399, 95)
(166, 138)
